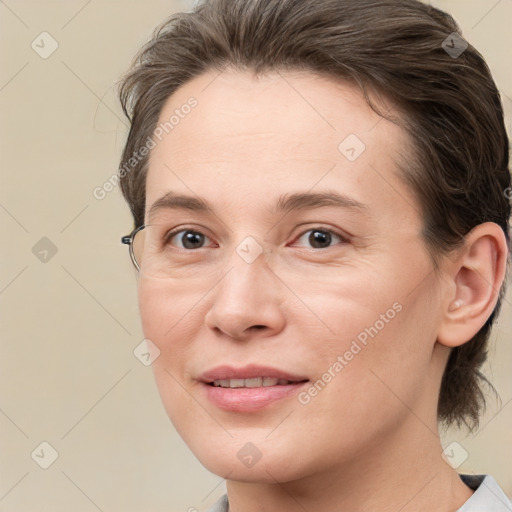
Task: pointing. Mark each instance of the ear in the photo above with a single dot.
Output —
(475, 274)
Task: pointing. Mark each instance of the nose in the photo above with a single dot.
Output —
(247, 302)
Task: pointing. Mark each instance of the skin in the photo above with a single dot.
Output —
(369, 440)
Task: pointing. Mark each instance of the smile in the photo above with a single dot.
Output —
(249, 389)
(255, 382)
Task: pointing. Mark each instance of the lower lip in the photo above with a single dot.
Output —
(249, 399)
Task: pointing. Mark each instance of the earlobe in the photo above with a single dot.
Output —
(476, 275)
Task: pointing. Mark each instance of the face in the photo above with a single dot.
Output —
(295, 269)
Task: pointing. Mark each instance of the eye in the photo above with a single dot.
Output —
(319, 238)
(187, 239)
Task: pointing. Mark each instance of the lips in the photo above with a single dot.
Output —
(250, 388)
(254, 382)
(248, 373)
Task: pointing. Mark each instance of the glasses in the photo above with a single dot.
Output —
(162, 250)
(152, 252)
(136, 242)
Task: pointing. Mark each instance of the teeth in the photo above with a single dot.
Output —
(236, 383)
(254, 382)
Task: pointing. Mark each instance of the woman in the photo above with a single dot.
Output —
(319, 195)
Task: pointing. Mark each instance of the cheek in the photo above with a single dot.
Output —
(378, 334)
(346, 314)
(167, 309)
(166, 323)
(165, 313)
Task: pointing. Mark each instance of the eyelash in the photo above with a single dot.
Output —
(343, 238)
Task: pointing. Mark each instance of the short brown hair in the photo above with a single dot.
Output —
(450, 107)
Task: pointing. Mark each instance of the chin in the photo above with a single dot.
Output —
(241, 460)
(268, 472)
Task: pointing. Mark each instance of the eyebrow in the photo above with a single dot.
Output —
(179, 202)
(309, 200)
(285, 203)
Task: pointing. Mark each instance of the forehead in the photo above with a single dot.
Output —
(253, 134)
(301, 107)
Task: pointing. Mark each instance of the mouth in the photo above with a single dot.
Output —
(254, 382)
(250, 388)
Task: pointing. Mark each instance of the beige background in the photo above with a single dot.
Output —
(69, 326)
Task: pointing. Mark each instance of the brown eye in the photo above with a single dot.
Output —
(320, 238)
(187, 239)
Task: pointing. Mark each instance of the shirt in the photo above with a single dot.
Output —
(488, 496)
